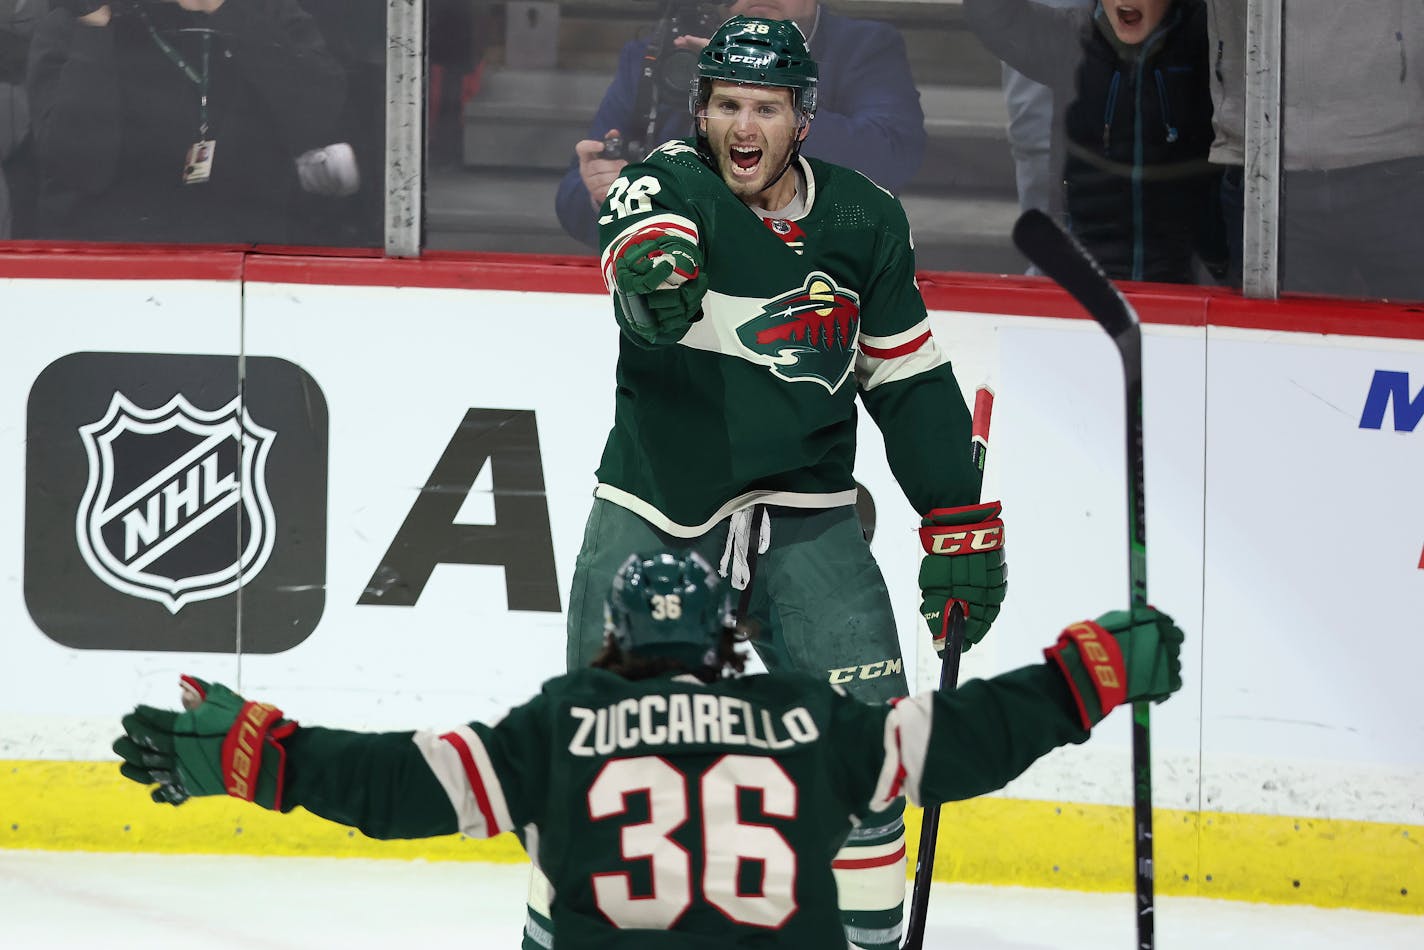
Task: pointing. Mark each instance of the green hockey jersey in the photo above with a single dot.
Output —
(669, 813)
(756, 403)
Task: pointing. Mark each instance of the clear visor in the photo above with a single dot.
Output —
(741, 112)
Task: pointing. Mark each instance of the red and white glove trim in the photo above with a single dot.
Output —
(192, 692)
(938, 640)
(683, 269)
(1101, 658)
(647, 230)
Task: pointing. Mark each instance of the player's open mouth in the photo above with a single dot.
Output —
(1128, 15)
(745, 160)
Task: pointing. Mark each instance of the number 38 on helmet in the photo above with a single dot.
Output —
(758, 52)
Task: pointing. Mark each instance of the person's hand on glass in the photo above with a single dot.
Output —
(90, 12)
(95, 13)
(693, 43)
(198, 6)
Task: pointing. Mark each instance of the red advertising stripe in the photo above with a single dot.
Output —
(1323, 315)
(1041, 297)
(461, 271)
(118, 262)
(970, 293)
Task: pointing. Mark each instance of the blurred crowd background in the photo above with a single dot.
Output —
(262, 122)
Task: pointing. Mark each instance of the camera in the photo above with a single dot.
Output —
(668, 70)
(673, 67)
(613, 147)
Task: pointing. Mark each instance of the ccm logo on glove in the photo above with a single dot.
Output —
(982, 537)
(964, 562)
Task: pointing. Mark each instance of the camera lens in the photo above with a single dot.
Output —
(675, 69)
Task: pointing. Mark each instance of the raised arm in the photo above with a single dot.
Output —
(476, 779)
(1042, 42)
(955, 745)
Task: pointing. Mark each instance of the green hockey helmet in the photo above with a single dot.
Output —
(758, 52)
(668, 604)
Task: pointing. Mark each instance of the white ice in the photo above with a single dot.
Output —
(153, 902)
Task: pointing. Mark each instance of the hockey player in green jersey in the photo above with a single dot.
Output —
(670, 806)
(758, 294)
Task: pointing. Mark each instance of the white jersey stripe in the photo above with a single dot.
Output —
(872, 371)
(907, 740)
(463, 768)
(675, 223)
(896, 340)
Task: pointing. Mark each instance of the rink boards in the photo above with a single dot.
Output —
(377, 530)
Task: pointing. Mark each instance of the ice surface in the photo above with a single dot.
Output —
(51, 899)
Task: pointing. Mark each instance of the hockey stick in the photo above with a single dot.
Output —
(1062, 258)
(948, 679)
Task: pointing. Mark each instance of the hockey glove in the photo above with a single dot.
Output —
(660, 283)
(220, 744)
(1119, 658)
(964, 561)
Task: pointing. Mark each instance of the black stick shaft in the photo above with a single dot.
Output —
(929, 823)
(948, 679)
(1130, 347)
(1062, 258)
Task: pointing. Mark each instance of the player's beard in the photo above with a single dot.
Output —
(773, 160)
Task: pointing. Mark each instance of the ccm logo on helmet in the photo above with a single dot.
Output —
(966, 540)
(745, 60)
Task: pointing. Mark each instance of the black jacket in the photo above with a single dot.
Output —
(114, 117)
(1132, 130)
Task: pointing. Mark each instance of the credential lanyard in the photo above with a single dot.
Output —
(198, 79)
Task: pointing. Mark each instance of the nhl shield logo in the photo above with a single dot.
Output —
(176, 508)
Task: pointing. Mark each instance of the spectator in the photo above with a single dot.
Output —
(1133, 125)
(17, 24)
(126, 95)
(1030, 128)
(869, 117)
(1352, 150)
(671, 804)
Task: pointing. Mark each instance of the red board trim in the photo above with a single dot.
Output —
(536, 273)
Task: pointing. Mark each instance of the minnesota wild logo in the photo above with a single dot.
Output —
(808, 334)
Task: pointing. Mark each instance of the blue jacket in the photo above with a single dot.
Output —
(868, 118)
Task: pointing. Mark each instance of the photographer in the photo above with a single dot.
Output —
(869, 118)
(177, 120)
